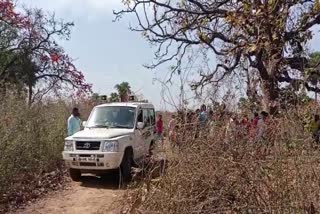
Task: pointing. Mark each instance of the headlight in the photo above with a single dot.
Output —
(111, 146)
(68, 145)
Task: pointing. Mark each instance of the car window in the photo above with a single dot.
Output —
(146, 118)
(140, 116)
(112, 117)
(152, 116)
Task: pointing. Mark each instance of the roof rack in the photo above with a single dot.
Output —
(134, 99)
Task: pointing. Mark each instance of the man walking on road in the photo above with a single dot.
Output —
(74, 122)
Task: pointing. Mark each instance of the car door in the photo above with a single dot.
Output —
(148, 130)
(139, 136)
(152, 115)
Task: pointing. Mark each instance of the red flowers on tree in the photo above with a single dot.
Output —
(54, 58)
(9, 16)
(31, 38)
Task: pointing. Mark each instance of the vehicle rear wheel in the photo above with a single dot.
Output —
(75, 174)
(125, 167)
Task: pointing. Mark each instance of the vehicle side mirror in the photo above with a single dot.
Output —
(140, 125)
(84, 123)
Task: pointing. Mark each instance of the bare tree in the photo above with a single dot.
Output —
(270, 35)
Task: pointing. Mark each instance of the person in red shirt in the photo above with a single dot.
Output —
(160, 128)
(255, 120)
(245, 127)
(254, 126)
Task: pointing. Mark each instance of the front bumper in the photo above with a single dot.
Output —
(89, 160)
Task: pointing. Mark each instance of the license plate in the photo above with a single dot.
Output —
(86, 159)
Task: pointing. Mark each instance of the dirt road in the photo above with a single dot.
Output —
(92, 195)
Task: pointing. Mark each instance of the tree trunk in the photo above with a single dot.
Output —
(3, 90)
(270, 95)
(124, 98)
(30, 94)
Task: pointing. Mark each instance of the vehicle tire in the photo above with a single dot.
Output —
(126, 164)
(75, 174)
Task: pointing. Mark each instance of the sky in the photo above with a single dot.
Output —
(108, 52)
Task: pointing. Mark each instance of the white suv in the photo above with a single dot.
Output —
(116, 136)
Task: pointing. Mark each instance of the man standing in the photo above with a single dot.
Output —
(255, 120)
(203, 119)
(74, 122)
(172, 129)
(160, 128)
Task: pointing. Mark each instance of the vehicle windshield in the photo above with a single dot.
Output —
(112, 117)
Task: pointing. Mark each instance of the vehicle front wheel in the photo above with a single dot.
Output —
(126, 165)
(75, 174)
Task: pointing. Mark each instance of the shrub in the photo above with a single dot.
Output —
(31, 142)
(218, 175)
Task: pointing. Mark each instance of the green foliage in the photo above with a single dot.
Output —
(30, 54)
(95, 96)
(123, 89)
(114, 97)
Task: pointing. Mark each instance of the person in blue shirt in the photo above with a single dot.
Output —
(74, 122)
(203, 117)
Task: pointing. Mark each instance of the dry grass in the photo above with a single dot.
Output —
(220, 175)
(31, 142)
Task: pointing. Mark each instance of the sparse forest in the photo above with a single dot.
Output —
(252, 64)
(261, 48)
(36, 75)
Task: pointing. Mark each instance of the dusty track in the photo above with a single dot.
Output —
(92, 195)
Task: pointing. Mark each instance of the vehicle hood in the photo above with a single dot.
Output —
(101, 133)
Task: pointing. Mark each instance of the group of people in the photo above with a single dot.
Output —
(199, 117)
(249, 129)
(203, 122)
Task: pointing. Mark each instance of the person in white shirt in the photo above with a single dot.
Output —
(172, 128)
(74, 122)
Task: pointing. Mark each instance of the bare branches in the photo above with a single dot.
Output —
(257, 31)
